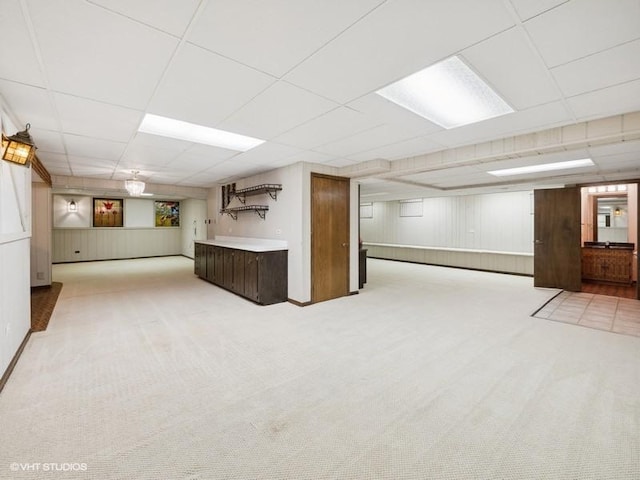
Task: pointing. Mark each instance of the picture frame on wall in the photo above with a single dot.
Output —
(167, 213)
(108, 212)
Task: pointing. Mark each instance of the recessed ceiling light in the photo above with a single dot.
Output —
(545, 167)
(448, 93)
(169, 127)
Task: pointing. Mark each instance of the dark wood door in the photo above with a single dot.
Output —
(556, 231)
(329, 237)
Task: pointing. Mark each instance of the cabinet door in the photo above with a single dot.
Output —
(218, 268)
(238, 271)
(211, 262)
(251, 260)
(200, 259)
(227, 259)
(272, 277)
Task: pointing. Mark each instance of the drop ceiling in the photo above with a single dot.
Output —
(302, 75)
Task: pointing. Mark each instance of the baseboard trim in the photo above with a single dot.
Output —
(297, 303)
(14, 361)
(517, 274)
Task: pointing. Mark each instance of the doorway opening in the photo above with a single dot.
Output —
(609, 239)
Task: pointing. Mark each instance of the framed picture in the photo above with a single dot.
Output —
(167, 214)
(107, 212)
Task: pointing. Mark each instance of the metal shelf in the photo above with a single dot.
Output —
(271, 189)
(261, 210)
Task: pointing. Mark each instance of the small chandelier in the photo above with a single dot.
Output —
(134, 186)
(19, 148)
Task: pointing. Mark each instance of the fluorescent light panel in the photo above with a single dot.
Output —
(545, 167)
(448, 93)
(190, 132)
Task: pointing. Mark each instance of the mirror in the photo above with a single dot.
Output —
(612, 217)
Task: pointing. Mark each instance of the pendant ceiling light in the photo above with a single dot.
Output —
(134, 186)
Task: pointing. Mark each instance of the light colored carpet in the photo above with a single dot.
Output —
(147, 372)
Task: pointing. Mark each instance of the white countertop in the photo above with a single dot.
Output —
(248, 244)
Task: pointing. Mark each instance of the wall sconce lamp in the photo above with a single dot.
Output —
(72, 206)
(617, 212)
(19, 148)
(134, 186)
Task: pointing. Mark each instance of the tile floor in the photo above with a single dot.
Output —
(613, 314)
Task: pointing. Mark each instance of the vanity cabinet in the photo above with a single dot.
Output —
(613, 265)
(260, 276)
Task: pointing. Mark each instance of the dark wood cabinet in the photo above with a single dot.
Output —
(218, 254)
(210, 262)
(227, 269)
(259, 276)
(251, 275)
(200, 260)
(238, 271)
(362, 267)
(611, 265)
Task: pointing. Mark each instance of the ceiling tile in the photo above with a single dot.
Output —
(600, 70)
(607, 102)
(310, 156)
(166, 15)
(331, 126)
(90, 52)
(276, 110)
(264, 40)
(407, 148)
(205, 88)
(47, 140)
(365, 141)
(382, 111)
(340, 162)
(507, 62)
(189, 161)
(28, 104)
(395, 40)
(265, 154)
(536, 118)
(157, 141)
(93, 147)
(142, 157)
(54, 162)
(527, 9)
(19, 60)
(580, 28)
(96, 119)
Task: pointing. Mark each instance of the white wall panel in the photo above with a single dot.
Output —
(15, 270)
(193, 214)
(41, 235)
(501, 222)
(114, 243)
